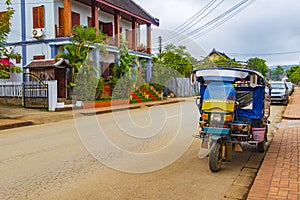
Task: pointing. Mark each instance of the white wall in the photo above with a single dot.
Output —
(51, 18)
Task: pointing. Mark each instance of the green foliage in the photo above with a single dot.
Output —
(86, 83)
(125, 61)
(5, 28)
(124, 76)
(121, 89)
(5, 22)
(294, 74)
(277, 73)
(258, 64)
(176, 58)
(99, 89)
(78, 51)
(85, 88)
(162, 73)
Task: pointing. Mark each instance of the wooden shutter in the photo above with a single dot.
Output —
(38, 16)
(129, 38)
(90, 22)
(61, 19)
(39, 57)
(75, 19)
(108, 29)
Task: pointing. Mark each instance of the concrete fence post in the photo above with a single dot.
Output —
(52, 95)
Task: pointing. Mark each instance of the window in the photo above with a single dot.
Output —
(106, 28)
(38, 15)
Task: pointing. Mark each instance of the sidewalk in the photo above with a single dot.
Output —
(12, 117)
(278, 176)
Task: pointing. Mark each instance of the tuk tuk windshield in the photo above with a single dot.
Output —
(219, 95)
(219, 90)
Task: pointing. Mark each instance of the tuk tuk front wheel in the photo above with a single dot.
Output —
(215, 157)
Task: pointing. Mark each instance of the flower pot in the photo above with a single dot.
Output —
(107, 91)
(105, 103)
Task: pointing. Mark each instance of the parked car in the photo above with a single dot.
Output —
(290, 86)
(279, 92)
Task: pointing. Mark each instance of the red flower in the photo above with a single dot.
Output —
(6, 63)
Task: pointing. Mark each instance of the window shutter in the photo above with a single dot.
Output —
(75, 18)
(89, 22)
(39, 57)
(35, 17)
(38, 15)
(41, 13)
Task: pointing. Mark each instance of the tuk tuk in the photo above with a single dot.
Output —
(234, 106)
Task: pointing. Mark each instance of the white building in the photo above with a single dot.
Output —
(39, 28)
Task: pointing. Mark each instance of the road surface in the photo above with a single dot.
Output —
(138, 154)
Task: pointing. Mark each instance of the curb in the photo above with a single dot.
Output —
(109, 110)
(112, 109)
(291, 118)
(241, 186)
(12, 123)
(16, 125)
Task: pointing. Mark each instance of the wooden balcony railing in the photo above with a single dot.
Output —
(59, 31)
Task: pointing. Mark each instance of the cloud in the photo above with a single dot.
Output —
(266, 26)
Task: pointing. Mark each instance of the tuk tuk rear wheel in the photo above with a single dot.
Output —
(215, 157)
(261, 146)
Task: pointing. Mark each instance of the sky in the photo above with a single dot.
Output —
(267, 29)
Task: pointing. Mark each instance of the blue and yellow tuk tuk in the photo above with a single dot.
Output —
(234, 107)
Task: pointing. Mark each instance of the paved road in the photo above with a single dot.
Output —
(122, 155)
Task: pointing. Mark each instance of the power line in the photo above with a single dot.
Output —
(218, 17)
(191, 19)
(265, 54)
(223, 20)
(193, 23)
(217, 21)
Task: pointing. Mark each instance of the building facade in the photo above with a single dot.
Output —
(40, 28)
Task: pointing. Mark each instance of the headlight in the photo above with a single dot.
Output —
(215, 117)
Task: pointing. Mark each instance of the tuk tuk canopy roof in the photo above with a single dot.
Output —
(231, 75)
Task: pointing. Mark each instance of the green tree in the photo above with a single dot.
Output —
(126, 60)
(6, 67)
(259, 65)
(124, 75)
(176, 58)
(83, 81)
(277, 73)
(293, 74)
(78, 52)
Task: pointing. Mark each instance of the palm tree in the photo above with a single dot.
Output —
(78, 52)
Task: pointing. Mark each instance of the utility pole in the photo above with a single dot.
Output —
(160, 43)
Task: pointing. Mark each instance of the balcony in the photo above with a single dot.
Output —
(59, 31)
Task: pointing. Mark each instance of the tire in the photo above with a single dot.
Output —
(286, 102)
(215, 157)
(261, 147)
(266, 133)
